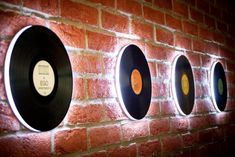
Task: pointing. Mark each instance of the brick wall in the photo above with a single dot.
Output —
(93, 32)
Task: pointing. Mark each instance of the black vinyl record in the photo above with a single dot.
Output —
(133, 82)
(38, 78)
(218, 86)
(183, 85)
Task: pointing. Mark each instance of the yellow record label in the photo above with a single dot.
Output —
(220, 86)
(185, 84)
(136, 81)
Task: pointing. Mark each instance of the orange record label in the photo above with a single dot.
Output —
(185, 84)
(136, 81)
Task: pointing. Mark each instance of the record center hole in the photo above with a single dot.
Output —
(136, 81)
(43, 78)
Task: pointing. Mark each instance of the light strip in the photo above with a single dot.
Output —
(7, 79)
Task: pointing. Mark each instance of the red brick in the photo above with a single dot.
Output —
(210, 22)
(109, 3)
(230, 42)
(69, 141)
(205, 33)
(79, 12)
(153, 15)
(212, 48)
(190, 139)
(195, 59)
(159, 52)
(3, 50)
(196, 15)
(149, 148)
(11, 23)
(200, 75)
(230, 66)
(171, 143)
(152, 68)
(108, 42)
(179, 124)
(46, 6)
(222, 26)
(135, 129)
(167, 4)
(218, 134)
(8, 123)
(130, 6)
(230, 77)
(122, 42)
(154, 109)
(82, 63)
(198, 45)
(78, 88)
(205, 136)
(2, 87)
(180, 8)
(69, 35)
(127, 151)
(142, 30)
(219, 37)
(168, 108)
(207, 61)
(31, 144)
(198, 122)
(159, 126)
(160, 89)
(204, 105)
(190, 28)
(201, 90)
(109, 65)
(100, 88)
(82, 114)
(183, 42)
(13, 1)
(215, 11)
(230, 105)
(173, 22)
(164, 36)
(164, 71)
(104, 135)
(97, 154)
(114, 112)
(150, 1)
(203, 5)
(114, 22)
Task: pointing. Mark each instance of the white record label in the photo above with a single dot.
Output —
(43, 78)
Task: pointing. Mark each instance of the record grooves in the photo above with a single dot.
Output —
(133, 82)
(38, 78)
(218, 86)
(183, 85)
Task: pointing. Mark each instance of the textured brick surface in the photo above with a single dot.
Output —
(93, 33)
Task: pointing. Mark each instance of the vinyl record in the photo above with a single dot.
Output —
(38, 78)
(183, 85)
(218, 86)
(133, 82)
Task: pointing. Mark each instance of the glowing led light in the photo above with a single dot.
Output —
(7, 79)
(174, 92)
